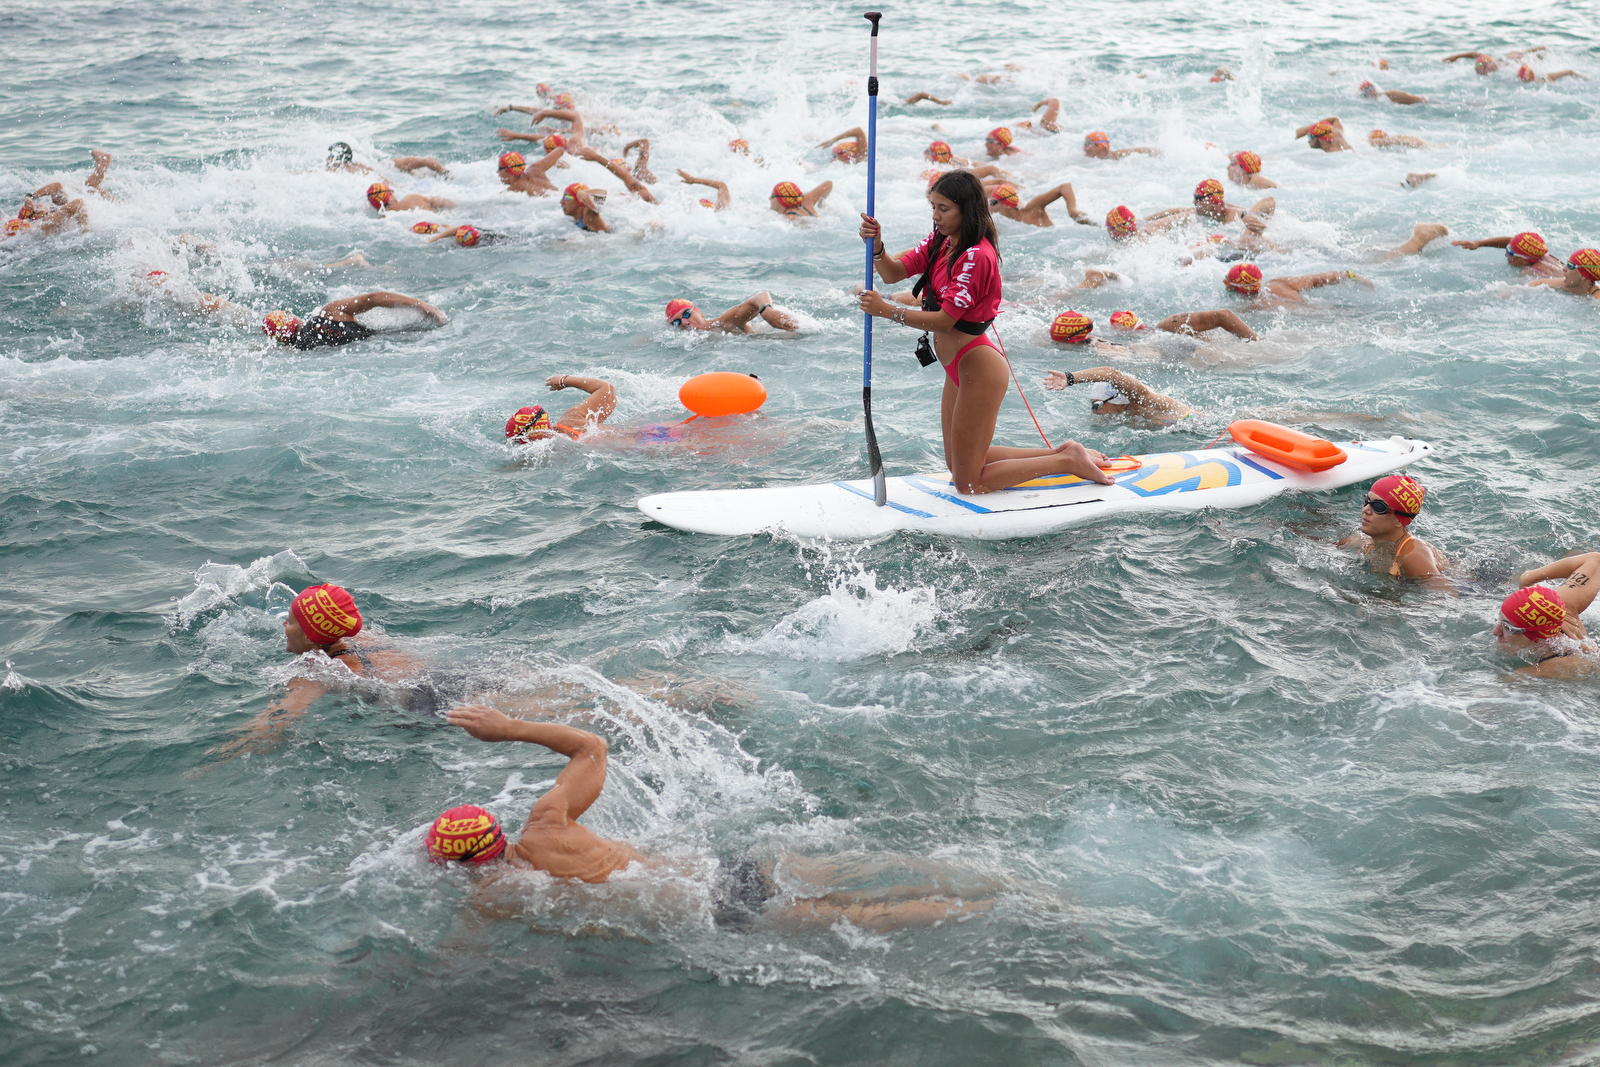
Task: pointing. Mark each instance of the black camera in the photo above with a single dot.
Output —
(925, 354)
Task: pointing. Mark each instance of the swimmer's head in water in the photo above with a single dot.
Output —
(281, 326)
(679, 312)
(426, 227)
(788, 194)
(1209, 193)
(28, 210)
(1071, 328)
(1120, 223)
(1005, 193)
(1530, 246)
(526, 421)
(543, 89)
(739, 145)
(1368, 89)
(325, 613)
(563, 100)
(1586, 261)
(554, 141)
(379, 195)
(156, 277)
(706, 203)
(569, 195)
(512, 163)
(1105, 393)
(997, 139)
(339, 152)
(938, 152)
(1126, 320)
(1096, 139)
(467, 236)
(1319, 132)
(1402, 493)
(1485, 64)
(845, 152)
(1537, 612)
(467, 834)
(1244, 278)
(1248, 162)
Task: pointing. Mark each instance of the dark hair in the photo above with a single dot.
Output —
(967, 193)
(340, 152)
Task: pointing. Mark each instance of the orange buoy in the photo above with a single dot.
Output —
(722, 392)
(1289, 447)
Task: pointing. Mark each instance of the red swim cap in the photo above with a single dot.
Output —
(1096, 137)
(28, 210)
(379, 194)
(1209, 191)
(1485, 64)
(1248, 162)
(999, 134)
(1402, 493)
(325, 614)
(571, 192)
(706, 203)
(938, 152)
(154, 277)
(513, 162)
(467, 236)
(1321, 129)
(1368, 89)
(1528, 245)
(740, 145)
(1120, 221)
(677, 307)
(281, 326)
(845, 152)
(554, 141)
(1126, 320)
(15, 226)
(468, 834)
(563, 100)
(426, 227)
(1587, 263)
(1525, 74)
(1537, 609)
(788, 194)
(527, 420)
(1244, 278)
(1005, 193)
(1071, 328)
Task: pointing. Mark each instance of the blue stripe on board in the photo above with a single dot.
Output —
(915, 484)
(1247, 461)
(847, 487)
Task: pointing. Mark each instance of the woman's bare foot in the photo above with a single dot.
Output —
(1073, 458)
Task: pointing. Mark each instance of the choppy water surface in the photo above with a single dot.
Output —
(1246, 800)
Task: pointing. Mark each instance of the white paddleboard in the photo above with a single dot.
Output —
(1169, 481)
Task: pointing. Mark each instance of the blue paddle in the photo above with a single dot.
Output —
(880, 490)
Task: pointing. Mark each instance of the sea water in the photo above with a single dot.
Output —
(1236, 797)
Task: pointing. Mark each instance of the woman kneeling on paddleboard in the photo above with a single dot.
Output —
(961, 270)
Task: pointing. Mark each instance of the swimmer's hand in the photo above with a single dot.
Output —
(1082, 219)
(483, 722)
(438, 316)
(1055, 379)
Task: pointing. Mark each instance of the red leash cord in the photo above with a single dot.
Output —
(1020, 393)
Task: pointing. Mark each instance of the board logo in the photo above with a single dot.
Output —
(1180, 472)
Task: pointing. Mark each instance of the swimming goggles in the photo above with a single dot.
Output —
(1381, 507)
(1512, 253)
(682, 318)
(1510, 629)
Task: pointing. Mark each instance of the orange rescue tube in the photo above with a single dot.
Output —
(1289, 447)
(722, 392)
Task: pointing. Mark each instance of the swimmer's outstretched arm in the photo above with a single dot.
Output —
(551, 158)
(855, 133)
(1196, 322)
(1052, 112)
(723, 199)
(1060, 192)
(578, 785)
(410, 164)
(641, 166)
(1126, 384)
(601, 403)
(575, 135)
(619, 170)
(1474, 54)
(513, 135)
(917, 97)
(817, 195)
(1582, 580)
(1316, 281)
(525, 109)
(351, 306)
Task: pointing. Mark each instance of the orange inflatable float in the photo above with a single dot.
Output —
(1289, 447)
(722, 393)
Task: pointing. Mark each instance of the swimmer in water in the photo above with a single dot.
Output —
(380, 195)
(42, 223)
(787, 200)
(737, 319)
(1096, 145)
(331, 325)
(1052, 113)
(465, 236)
(56, 193)
(1372, 92)
(1526, 74)
(1119, 394)
(1484, 64)
(1005, 201)
(1244, 168)
(1526, 252)
(939, 152)
(997, 143)
(581, 204)
(1385, 537)
(1380, 139)
(723, 198)
(1538, 613)
(960, 264)
(1210, 205)
(553, 841)
(341, 157)
(1246, 280)
(853, 151)
(1326, 135)
(915, 98)
(534, 424)
(1581, 276)
(518, 175)
(619, 170)
(569, 115)
(1123, 226)
(1185, 323)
